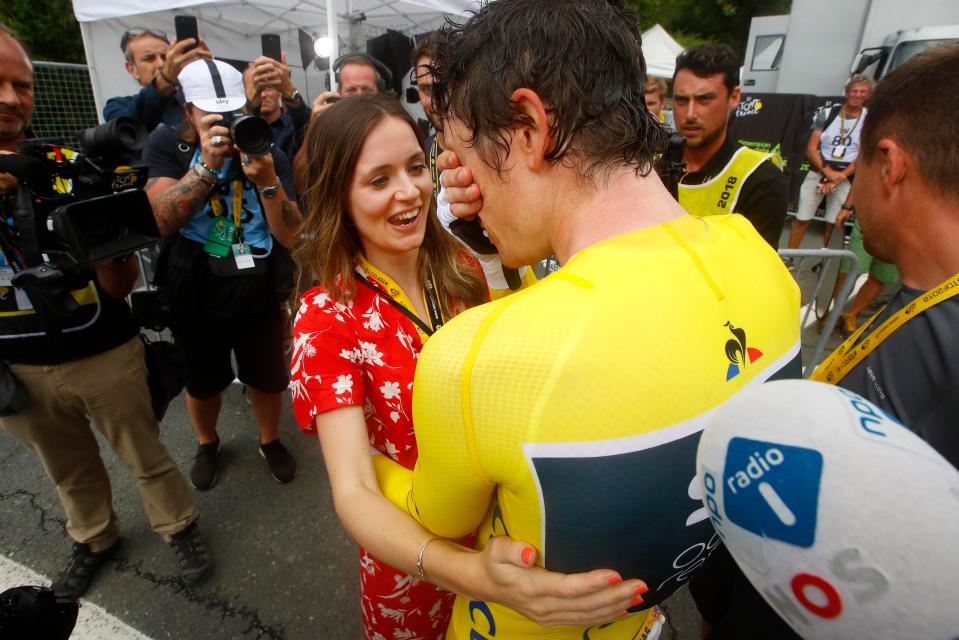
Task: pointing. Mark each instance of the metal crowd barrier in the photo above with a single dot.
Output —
(826, 255)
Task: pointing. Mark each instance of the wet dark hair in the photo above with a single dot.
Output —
(581, 57)
(706, 60)
(915, 106)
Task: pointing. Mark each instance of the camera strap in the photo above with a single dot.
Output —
(27, 228)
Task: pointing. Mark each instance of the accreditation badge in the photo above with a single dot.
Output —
(220, 239)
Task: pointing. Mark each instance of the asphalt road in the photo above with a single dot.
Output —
(285, 567)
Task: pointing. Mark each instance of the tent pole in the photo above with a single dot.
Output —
(331, 25)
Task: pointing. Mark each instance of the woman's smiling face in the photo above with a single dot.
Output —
(391, 190)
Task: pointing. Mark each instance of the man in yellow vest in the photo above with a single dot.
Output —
(722, 176)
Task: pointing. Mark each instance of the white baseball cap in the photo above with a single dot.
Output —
(212, 85)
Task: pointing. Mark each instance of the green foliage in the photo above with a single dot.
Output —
(47, 28)
(699, 21)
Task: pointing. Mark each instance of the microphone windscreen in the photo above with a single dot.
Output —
(843, 519)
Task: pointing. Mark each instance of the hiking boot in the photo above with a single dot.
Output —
(282, 465)
(192, 555)
(81, 570)
(203, 473)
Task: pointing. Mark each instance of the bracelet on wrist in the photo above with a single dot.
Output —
(205, 177)
(420, 572)
(214, 172)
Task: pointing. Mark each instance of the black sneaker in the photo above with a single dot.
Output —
(81, 570)
(282, 464)
(203, 472)
(192, 555)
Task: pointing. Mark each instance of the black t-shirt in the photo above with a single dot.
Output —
(914, 373)
(101, 324)
(764, 197)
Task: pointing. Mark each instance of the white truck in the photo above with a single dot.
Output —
(820, 43)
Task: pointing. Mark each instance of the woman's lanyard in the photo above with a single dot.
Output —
(849, 354)
(398, 299)
(237, 207)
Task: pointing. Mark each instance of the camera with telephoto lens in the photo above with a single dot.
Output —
(73, 210)
(670, 165)
(250, 134)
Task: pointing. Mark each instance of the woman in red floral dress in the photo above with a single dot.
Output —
(390, 276)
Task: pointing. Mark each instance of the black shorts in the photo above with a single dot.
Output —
(256, 340)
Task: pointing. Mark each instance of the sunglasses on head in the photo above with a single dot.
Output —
(136, 33)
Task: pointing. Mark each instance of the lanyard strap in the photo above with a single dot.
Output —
(849, 354)
(429, 295)
(237, 203)
(842, 123)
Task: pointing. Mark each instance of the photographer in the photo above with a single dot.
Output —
(154, 63)
(273, 96)
(229, 215)
(90, 362)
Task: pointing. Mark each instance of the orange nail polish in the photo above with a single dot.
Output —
(614, 579)
(635, 601)
(528, 556)
(640, 590)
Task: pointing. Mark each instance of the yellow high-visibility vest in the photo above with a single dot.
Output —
(721, 194)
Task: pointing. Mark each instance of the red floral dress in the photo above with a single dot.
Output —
(364, 353)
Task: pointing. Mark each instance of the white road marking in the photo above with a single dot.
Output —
(93, 622)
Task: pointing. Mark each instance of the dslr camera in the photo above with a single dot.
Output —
(670, 165)
(250, 134)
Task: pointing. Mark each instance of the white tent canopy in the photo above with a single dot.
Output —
(660, 51)
(232, 28)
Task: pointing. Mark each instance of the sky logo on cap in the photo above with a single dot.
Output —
(772, 489)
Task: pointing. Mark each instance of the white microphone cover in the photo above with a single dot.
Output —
(843, 519)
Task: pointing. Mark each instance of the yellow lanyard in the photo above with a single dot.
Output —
(237, 203)
(430, 300)
(849, 354)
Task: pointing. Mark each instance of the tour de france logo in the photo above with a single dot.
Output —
(749, 107)
(738, 353)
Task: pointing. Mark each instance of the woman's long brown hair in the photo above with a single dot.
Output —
(329, 240)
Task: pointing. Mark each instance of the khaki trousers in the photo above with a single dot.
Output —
(111, 389)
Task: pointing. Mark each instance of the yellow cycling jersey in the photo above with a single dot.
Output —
(568, 414)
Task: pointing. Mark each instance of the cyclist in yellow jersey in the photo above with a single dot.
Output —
(567, 414)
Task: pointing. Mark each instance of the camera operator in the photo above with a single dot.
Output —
(230, 215)
(722, 176)
(92, 364)
(154, 63)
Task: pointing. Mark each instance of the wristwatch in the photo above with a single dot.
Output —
(294, 97)
(270, 191)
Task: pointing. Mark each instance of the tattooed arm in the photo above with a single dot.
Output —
(282, 214)
(284, 218)
(176, 201)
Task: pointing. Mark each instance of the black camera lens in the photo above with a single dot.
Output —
(120, 135)
(251, 134)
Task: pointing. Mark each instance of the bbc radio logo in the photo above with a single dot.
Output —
(772, 489)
